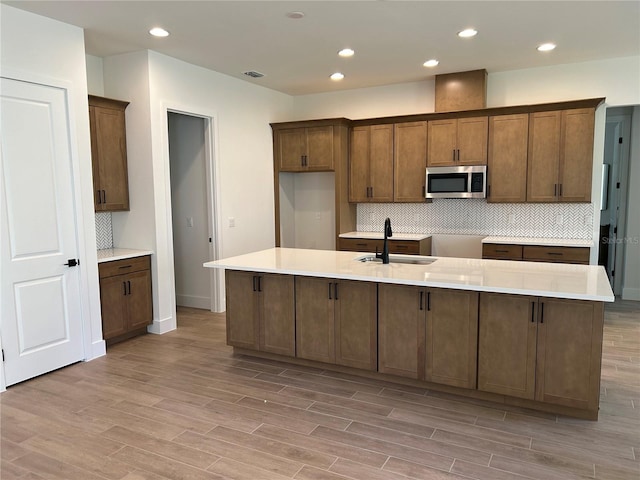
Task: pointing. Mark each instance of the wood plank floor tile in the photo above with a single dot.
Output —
(283, 381)
(311, 473)
(51, 468)
(240, 471)
(355, 386)
(417, 471)
(479, 472)
(356, 470)
(240, 453)
(337, 400)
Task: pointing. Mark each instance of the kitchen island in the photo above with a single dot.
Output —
(519, 333)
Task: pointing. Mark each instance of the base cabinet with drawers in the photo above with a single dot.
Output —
(536, 253)
(407, 247)
(125, 298)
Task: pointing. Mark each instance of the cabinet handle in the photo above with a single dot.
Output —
(555, 189)
(330, 291)
(104, 196)
(502, 251)
(560, 192)
(421, 297)
(458, 152)
(453, 155)
(124, 285)
(424, 190)
(401, 247)
(533, 306)
(558, 254)
(428, 301)
(259, 283)
(488, 190)
(99, 197)
(254, 283)
(336, 290)
(371, 192)
(125, 266)
(542, 312)
(129, 284)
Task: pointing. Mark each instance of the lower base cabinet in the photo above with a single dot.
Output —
(125, 297)
(552, 348)
(428, 334)
(260, 312)
(336, 321)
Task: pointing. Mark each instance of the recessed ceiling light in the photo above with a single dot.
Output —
(467, 33)
(295, 15)
(431, 63)
(546, 47)
(337, 76)
(159, 32)
(346, 52)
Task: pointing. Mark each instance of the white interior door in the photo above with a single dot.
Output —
(41, 324)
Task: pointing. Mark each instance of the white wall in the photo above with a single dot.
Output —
(95, 75)
(242, 149)
(631, 281)
(189, 210)
(39, 49)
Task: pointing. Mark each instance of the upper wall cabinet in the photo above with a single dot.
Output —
(371, 164)
(560, 155)
(507, 162)
(458, 141)
(409, 161)
(305, 149)
(109, 154)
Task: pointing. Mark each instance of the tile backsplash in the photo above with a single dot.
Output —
(104, 231)
(477, 217)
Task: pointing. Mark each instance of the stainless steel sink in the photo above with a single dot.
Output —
(398, 259)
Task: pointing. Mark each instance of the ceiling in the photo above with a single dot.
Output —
(392, 39)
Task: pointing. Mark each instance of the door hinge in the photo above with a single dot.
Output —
(209, 239)
(615, 230)
(618, 185)
(620, 140)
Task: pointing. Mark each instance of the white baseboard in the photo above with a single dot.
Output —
(162, 326)
(193, 301)
(631, 294)
(96, 350)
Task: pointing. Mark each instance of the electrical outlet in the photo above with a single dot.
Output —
(512, 218)
(559, 219)
(189, 221)
(232, 222)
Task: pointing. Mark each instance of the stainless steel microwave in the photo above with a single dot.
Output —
(457, 182)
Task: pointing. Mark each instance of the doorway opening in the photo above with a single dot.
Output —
(193, 218)
(614, 198)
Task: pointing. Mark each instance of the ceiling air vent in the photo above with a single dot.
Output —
(254, 74)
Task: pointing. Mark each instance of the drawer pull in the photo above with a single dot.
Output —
(502, 251)
(401, 247)
(125, 266)
(361, 244)
(558, 254)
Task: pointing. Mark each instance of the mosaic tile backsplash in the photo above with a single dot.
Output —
(104, 231)
(477, 217)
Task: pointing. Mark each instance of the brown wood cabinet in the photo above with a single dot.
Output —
(408, 247)
(409, 162)
(536, 253)
(336, 321)
(507, 160)
(305, 149)
(428, 334)
(552, 347)
(109, 154)
(371, 164)
(560, 159)
(458, 141)
(125, 298)
(260, 311)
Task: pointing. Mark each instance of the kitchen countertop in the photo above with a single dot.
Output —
(558, 280)
(557, 242)
(380, 236)
(110, 254)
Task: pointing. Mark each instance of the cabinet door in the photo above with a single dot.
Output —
(138, 299)
(544, 157)
(359, 165)
(356, 324)
(569, 353)
(381, 163)
(576, 155)
(410, 161)
(292, 146)
(507, 344)
(242, 309)
(507, 163)
(451, 337)
(471, 142)
(110, 151)
(277, 319)
(442, 143)
(315, 338)
(114, 313)
(319, 148)
(401, 330)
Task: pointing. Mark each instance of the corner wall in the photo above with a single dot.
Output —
(631, 281)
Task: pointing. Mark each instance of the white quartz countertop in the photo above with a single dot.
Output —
(379, 235)
(580, 282)
(555, 242)
(110, 254)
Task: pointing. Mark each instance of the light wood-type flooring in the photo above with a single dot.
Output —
(181, 406)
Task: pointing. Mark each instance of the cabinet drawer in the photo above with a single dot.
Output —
(121, 267)
(501, 252)
(359, 244)
(537, 253)
(404, 246)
